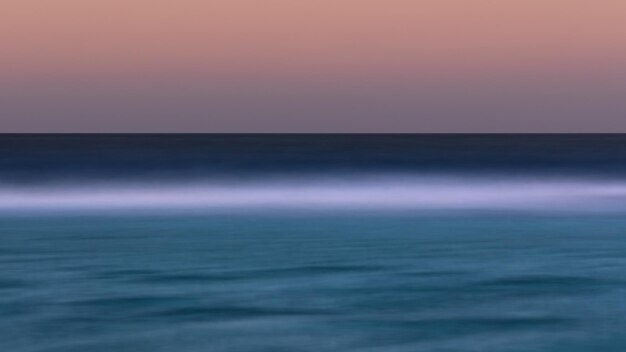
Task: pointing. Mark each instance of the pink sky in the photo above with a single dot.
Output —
(142, 45)
(359, 35)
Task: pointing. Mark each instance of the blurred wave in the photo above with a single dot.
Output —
(332, 193)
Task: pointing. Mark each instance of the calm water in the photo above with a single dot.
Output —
(313, 283)
(471, 243)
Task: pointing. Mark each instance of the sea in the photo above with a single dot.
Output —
(312, 242)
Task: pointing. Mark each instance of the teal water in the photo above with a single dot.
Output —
(305, 282)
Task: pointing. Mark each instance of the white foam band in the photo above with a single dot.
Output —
(381, 193)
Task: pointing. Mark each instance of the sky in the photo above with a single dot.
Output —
(312, 66)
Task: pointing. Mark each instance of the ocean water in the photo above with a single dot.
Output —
(385, 243)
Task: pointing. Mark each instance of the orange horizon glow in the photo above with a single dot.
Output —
(245, 37)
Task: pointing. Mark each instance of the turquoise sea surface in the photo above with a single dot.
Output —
(313, 282)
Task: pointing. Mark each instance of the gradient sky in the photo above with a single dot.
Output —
(313, 65)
